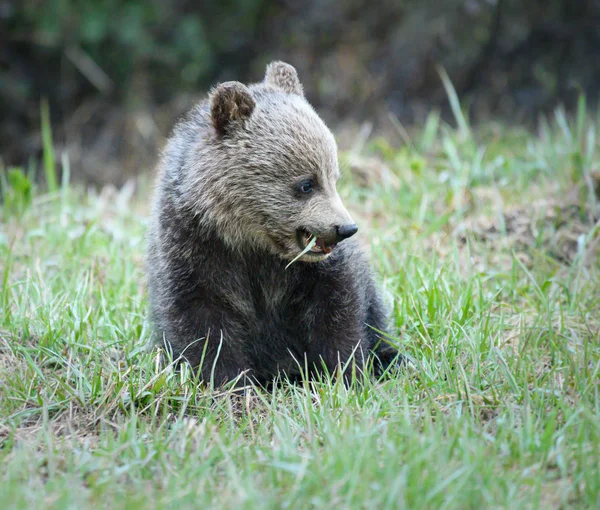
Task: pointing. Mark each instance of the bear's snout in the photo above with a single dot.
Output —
(345, 231)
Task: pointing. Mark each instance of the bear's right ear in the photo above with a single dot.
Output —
(230, 104)
(285, 77)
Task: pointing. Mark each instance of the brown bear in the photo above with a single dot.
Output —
(246, 181)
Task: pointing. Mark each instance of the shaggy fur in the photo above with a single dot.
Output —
(228, 210)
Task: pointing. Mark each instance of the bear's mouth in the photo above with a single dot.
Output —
(320, 247)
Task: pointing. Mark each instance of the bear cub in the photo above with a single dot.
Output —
(246, 182)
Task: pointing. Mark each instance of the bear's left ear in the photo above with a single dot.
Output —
(230, 104)
(285, 77)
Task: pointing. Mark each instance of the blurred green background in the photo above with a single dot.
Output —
(117, 74)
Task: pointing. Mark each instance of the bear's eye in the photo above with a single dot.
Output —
(306, 186)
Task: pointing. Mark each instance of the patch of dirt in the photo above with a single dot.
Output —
(483, 408)
(564, 227)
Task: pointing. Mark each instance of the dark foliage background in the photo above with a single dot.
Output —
(118, 73)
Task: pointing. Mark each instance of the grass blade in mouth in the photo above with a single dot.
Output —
(309, 246)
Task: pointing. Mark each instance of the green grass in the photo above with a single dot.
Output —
(487, 244)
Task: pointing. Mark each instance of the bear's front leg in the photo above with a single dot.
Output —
(336, 348)
(197, 336)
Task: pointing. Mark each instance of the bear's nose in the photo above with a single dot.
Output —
(345, 231)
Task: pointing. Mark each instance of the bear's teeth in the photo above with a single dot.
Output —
(322, 247)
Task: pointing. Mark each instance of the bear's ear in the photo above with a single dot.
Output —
(230, 103)
(285, 77)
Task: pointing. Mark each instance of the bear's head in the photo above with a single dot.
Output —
(274, 169)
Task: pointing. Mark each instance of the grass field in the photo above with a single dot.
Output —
(486, 240)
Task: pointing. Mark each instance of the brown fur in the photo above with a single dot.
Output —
(227, 215)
